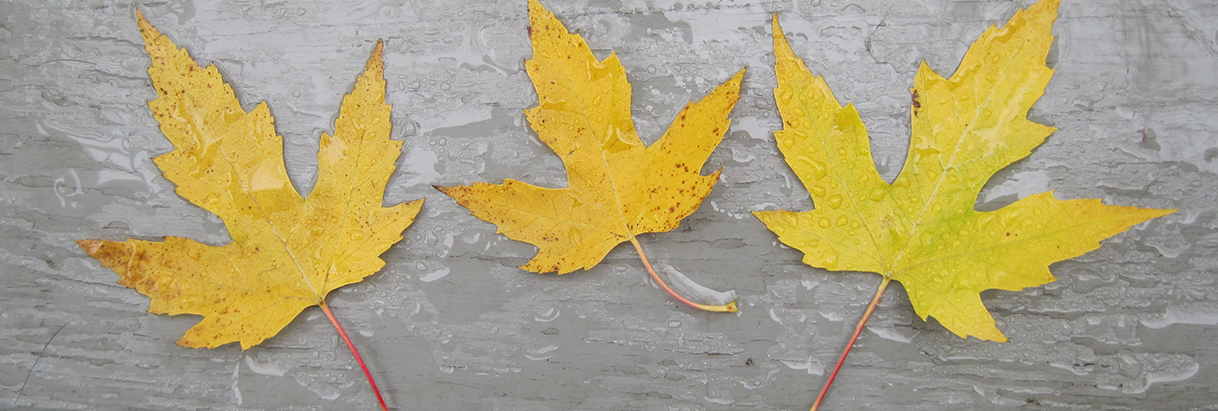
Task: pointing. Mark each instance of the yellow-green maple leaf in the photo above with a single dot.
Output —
(923, 230)
(287, 252)
(617, 187)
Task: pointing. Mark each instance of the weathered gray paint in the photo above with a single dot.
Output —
(1130, 326)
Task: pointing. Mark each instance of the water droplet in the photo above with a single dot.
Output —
(831, 259)
(785, 95)
(842, 221)
(877, 194)
(818, 169)
(835, 201)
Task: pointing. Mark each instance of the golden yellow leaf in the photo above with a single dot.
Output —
(617, 187)
(287, 252)
(923, 230)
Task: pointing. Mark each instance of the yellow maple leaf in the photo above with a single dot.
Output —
(287, 252)
(922, 230)
(617, 187)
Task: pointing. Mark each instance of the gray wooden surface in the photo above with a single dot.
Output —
(450, 323)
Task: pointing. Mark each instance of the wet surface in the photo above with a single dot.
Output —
(451, 323)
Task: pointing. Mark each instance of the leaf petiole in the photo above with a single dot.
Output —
(724, 308)
(857, 329)
(358, 358)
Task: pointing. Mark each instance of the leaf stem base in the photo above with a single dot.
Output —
(857, 329)
(359, 359)
(724, 308)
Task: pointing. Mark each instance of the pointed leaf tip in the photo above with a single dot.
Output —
(737, 78)
(376, 63)
(89, 245)
(146, 29)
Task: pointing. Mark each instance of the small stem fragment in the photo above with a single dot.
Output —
(857, 329)
(358, 358)
(725, 308)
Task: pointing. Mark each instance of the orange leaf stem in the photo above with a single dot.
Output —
(857, 329)
(725, 308)
(358, 358)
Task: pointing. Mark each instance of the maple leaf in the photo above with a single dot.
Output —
(617, 187)
(922, 230)
(287, 252)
